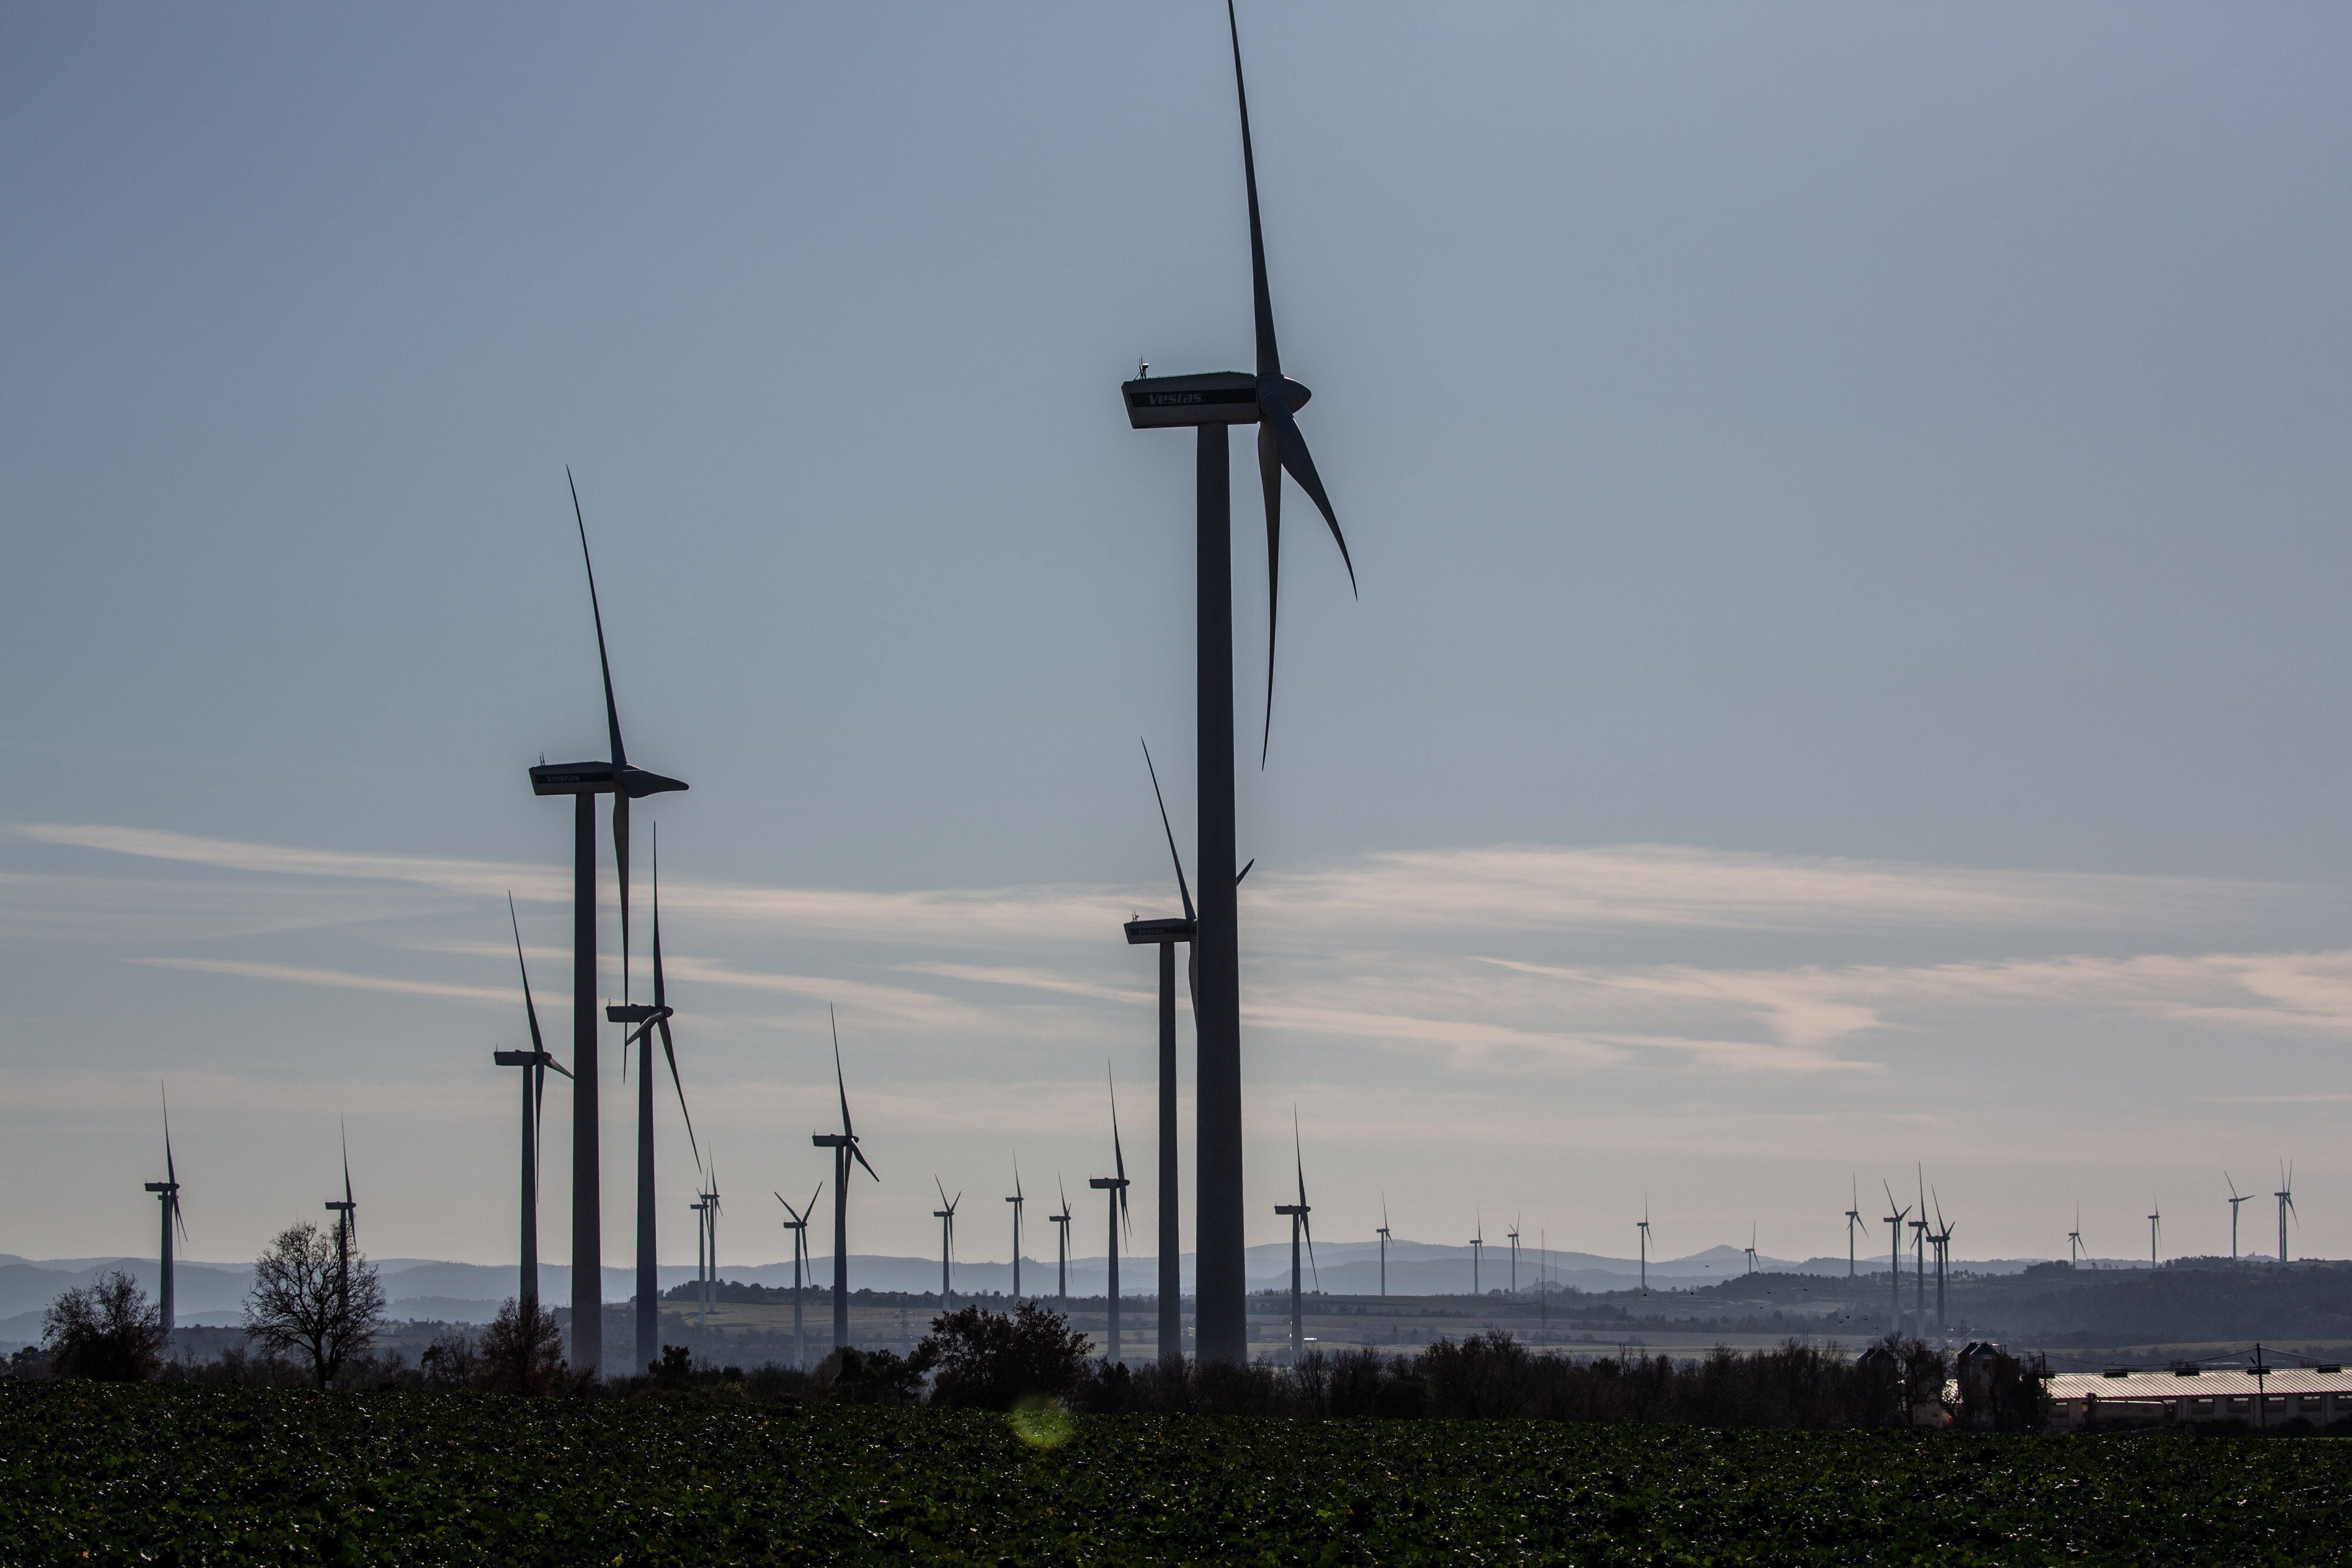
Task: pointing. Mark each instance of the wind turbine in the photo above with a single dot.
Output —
(1752, 1247)
(945, 1215)
(1115, 1188)
(535, 1063)
(1512, 1236)
(2235, 1198)
(711, 1228)
(2155, 1226)
(346, 1215)
(648, 1018)
(1210, 404)
(798, 1226)
(1644, 1229)
(2074, 1248)
(701, 1206)
(1942, 1236)
(1300, 1225)
(1383, 1234)
(1166, 935)
(584, 781)
(1062, 1245)
(1477, 1250)
(167, 1193)
(1852, 1221)
(1894, 1268)
(1016, 1200)
(2285, 1196)
(845, 1148)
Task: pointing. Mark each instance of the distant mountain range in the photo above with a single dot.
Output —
(212, 1294)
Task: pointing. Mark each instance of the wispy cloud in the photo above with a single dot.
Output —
(288, 974)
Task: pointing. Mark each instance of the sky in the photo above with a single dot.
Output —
(1847, 504)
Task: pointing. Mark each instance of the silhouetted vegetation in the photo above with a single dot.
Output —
(108, 1330)
(987, 1361)
(308, 1299)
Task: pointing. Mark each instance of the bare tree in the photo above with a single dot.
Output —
(521, 1351)
(109, 1330)
(310, 1296)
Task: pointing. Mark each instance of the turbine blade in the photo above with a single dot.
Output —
(661, 995)
(612, 712)
(1300, 466)
(859, 1155)
(528, 1011)
(1244, 872)
(1182, 891)
(621, 878)
(669, 1052)
(839, 1082)
(1269, 360)
(1269, 475)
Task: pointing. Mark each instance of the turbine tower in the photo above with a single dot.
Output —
(584, 781)
(346, 1215)
(798, 1226)
(2285, 1196)
(1512, 1236)
(701, 1206)
(1895, 1267)
(1299, 1226)
(2236, 1198)
(1383, 1234)
(945, 1215)
(648, 1018)
(1210, 404)
(2155, 1226)
(1167, 934)
(1752, 1247)
(1062, 1245)
(1115, 1189)
(710, 1230)
(167, 1194)
(1477, 1250)
(1644, 1229)
(1920, 1256)
(1852, 1221)
(535, 1064)
(1942, 1236)
(1016, 1200)
(845, 1148)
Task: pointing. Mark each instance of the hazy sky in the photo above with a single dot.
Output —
(1848, 500)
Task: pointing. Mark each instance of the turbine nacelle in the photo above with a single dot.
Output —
(1156, 933)
(600, 779)
(1220, 397)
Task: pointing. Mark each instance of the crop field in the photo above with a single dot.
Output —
(189, 1475)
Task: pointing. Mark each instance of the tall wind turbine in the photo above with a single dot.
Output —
(535, 1064)
(1477, 1250)
(1919, 1256)
(1115, 1188)
(1383, 1234)
(710, 1230)
(1852, 1221)
(1166, 935)
(1061, 1222)
(1210, 404)
(945, 1215)
(1016, 1200)
(701, 1206)
(1299, 1226)
(2155, 1226)
(2285, 1196)
(2236, 1198)
(1752, 1247)
(346, 1215)
(1942, 1238)
(2074, 1248)
(1894, 1268)
(647, 1020)
(584, 781)
(1644, 1229)
(167, 1193)
(845, 1148)
(798, 1226)
(1512, 1236)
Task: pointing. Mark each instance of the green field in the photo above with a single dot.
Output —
(192, 1475)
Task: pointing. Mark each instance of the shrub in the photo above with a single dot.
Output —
(108, 1331)
(988, 1361)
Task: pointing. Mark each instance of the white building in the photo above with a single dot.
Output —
(2317, 1395)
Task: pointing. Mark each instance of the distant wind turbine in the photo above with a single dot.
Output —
(1299, 1226)
(1167, 934)
(1016, 1200)
(1512, 1236)
(1752, 1247)
(1895, 1267)
(2236, 1198)
(167, 1193)
(1644, 1229)
(346, 1215)
(2155, 1228)
(535, 1064)
(2285, 1196)
(584, 781)
(945, 1214)
(1852, 1221)
(1383, 1234)
(2074, 1248)
(798, 1226)
(1477, 1250)
(1061, 1222)
(1211, 402)
(845, 1148)
(647, 1018)
(1115, 1189)
(1942, 1236)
